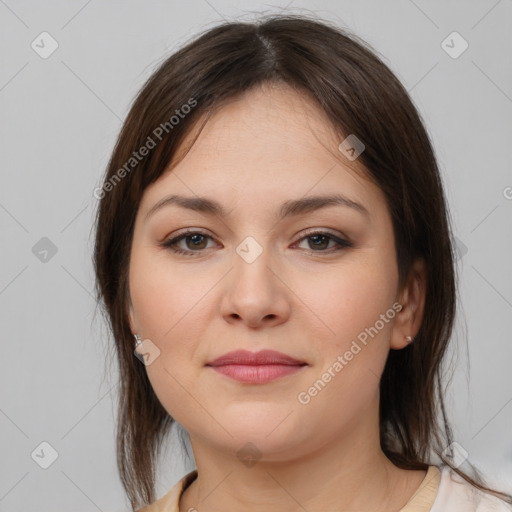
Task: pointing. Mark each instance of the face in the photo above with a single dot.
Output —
(312, 284)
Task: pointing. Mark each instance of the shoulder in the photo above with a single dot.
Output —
(455, 493)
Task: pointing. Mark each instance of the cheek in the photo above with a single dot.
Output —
(166, 302)
(346, 301)
(352, 339)
(169, 305)
(164, 297)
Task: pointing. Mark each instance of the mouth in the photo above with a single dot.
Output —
(257, 374)
(254, 368)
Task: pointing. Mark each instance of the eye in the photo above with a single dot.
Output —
(321, 239)
(196, 241)
(196, 238)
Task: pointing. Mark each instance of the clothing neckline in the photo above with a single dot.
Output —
(421, 501)
(425, 495)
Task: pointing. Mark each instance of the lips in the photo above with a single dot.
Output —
(264, 357)
(256, 367)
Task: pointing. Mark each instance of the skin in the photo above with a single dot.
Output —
(271, 145)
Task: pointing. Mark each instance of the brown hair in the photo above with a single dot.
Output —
(360, 96)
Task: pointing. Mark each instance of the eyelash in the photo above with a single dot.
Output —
(169, 244)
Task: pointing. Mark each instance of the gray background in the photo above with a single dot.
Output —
(60, 117)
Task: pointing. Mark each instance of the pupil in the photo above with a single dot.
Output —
(316, 239)
(196, 240)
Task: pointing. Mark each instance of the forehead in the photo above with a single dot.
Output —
(268, 123)
(263, 148)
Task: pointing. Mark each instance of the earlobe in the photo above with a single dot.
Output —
(408, 320)
(399, 341)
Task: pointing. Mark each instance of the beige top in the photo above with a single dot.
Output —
(421, 501)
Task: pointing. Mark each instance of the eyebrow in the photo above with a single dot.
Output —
(289, 208)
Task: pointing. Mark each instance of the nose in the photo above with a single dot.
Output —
(256, 295)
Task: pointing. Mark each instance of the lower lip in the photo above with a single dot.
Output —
(257, 374)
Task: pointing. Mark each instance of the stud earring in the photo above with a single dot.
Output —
(138, 340)
(408, 339)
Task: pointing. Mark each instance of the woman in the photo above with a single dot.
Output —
(273, 241)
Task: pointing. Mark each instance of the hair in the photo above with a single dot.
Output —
(361, 96)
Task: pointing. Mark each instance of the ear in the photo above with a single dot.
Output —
(412, 299)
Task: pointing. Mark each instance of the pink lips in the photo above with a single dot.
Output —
(259, 367)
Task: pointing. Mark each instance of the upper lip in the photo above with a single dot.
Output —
(254, 358)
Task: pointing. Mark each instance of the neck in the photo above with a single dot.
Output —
(348, 472)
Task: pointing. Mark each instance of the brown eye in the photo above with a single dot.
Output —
(194, 241)
(197, 241)
(319, 241)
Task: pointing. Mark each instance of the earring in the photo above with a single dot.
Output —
(138, 340)
(408, 339)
